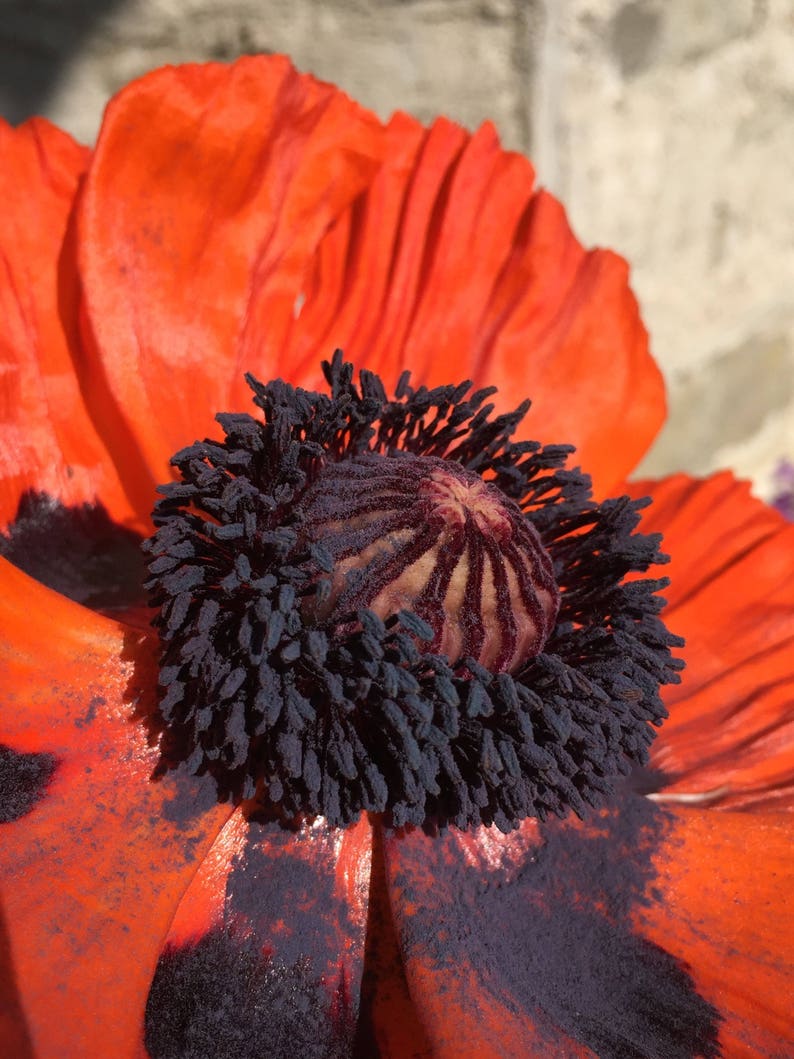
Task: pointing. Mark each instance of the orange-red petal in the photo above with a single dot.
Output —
(92, 869)
(463, 988)
(267, 943)
(730, 735)
(641, 932)
(48, 441)
(209, 189)
(453, 265)
(719, 902)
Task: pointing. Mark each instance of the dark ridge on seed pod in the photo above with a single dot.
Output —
(387, 605)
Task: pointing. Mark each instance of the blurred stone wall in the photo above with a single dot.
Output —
(664, 125)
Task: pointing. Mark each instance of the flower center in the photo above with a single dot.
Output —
(417, 533)
(388, 605)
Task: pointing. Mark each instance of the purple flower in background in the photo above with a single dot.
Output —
(783, 499)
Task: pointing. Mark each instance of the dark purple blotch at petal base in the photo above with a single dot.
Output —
(556, 939)
(77, 551)
(272, 883)
(270, 978)
(224, 998)
(23, 781)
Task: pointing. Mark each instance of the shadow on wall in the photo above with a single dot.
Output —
(38, 38)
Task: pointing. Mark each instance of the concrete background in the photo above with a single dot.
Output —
(664, 125)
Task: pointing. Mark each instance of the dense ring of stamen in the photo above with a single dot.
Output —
(280, 679)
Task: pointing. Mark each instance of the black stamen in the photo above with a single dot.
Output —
(388, 605)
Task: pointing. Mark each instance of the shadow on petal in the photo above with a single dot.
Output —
(14, 1033)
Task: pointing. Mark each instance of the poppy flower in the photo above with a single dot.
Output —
(380, 780)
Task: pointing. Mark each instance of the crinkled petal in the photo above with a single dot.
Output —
(643, 932)
(730, 735)
(267, 945)
(209, 189)
(48, 440)
(94, 855)
(452, 265)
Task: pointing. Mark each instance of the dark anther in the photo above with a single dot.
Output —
(388, 605)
